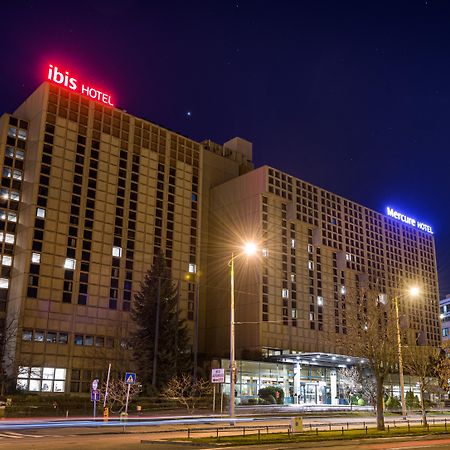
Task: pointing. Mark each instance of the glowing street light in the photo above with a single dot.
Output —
(249, 249)
(413, 292)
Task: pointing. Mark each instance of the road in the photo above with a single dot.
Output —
(163, 433)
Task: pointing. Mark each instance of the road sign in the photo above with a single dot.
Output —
(95, 395)
(130, 378)
(95, 384)
(217, 375)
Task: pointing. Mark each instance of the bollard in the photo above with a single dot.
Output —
(289, 433)
(347, 426)
(217, 433)
(388, 428)
(343, 431)
(243, 431)
(445, 424)
(409, 428)
(267, 430)
(317, 432)
(394, 424)
(329, 425)
(366, 429)
(259, 434)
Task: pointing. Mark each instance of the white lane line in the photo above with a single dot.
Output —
(10, 436)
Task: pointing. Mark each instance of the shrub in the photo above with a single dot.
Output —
(361, 402)
(392, 403)
(412, 401)
(272, 394)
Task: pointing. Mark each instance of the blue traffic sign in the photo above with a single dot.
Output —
(95, 395)
(130, 378)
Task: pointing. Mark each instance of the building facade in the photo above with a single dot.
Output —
(445, 317)
(90, 194)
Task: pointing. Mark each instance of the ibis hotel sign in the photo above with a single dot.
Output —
(64, 78)
(409, 220)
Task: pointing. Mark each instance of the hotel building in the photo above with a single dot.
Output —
(91, 193)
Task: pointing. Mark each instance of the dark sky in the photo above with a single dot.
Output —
(353, 96)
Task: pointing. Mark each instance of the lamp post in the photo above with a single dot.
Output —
(414, 291)
(249, 250)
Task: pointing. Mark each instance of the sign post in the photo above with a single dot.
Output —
(217, 377)
(105, 408)
(130, 378)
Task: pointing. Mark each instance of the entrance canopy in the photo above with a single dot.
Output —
(319, 359)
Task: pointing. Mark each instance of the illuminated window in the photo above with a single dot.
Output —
(343, 290)
(310, 248)
(7, 172)
(117, 252)
(292, 243)
(9, 238)
(320, 301)
(310, 265)
(9, 152)
(20, 154)
(36, 258)
(4, 283)
(41, 379)
(4, 193)
(12, 132)
(6, 260)
(265, 252)
(27, 335)
(17, 174)
(14, 196)
(12, 217)
(292, 277)
(40, 212)
(22, 135)
(285, 293)
(70, 264)
(348, 257)
(192, 268)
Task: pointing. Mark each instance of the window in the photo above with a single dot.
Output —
(27, 335)
(320, 301)
(12, 131)
(51, 336)
(17, 174)
(292, 243)
(89, 340)
(117, 252)
(63, 338)
(310, 265)
(4, 283)
(9, 238)
(285, 293)
(36, 258)
(12, 217)
(22, 135)
(265, 252)
(40, 212)
(41, 379)
(70, 264)
(343, 290)
(6, 260)
(39, 336)
(192, 268)
(78, 339)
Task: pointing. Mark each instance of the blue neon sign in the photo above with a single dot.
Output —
(409, 220)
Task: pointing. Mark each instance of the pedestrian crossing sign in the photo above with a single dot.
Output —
(130, 378)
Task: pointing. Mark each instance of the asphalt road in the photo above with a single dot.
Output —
(166, 433)
(133, 441)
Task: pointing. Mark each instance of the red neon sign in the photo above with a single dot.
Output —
(63, 78)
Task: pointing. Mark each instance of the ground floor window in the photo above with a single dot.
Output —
(41, 379)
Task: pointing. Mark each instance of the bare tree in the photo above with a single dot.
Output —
(117, 394)
(369, 389)
(442, 368)
(420, 361)
(186, 391)
(371, 334)
(350, 380)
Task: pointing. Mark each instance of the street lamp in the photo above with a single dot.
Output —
(413, 292)
(249, 249)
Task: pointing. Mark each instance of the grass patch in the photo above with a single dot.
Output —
(319, 435)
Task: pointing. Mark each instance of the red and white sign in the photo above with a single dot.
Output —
(217, 375)
(63, 78)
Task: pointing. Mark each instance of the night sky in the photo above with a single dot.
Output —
(353, 96)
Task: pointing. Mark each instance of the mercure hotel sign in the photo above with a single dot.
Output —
(63, 78)
(409, 220)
